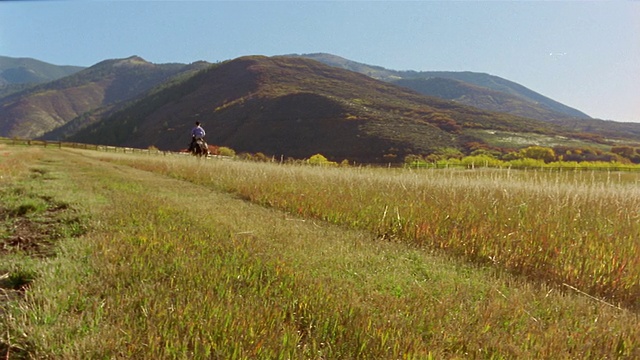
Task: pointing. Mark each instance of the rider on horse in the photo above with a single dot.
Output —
(197, 133)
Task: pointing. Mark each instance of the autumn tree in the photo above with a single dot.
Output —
(539, 153)
(319, 159)
(627, 152)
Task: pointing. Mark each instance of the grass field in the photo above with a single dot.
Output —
(142, 256)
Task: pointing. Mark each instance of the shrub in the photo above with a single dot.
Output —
(539, 153)
(526, 163)
(483, 160)
(319, 159)
(225, 151)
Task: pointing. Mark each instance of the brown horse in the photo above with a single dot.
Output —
(200, 148)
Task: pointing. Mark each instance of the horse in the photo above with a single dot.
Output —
(200, 148)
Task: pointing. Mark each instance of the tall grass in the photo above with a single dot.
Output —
(573, 229)
(174, 269)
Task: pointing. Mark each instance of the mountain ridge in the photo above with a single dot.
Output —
(291, 106)
(17, 74)
(296, 107)
(34, 70)
(44, 107)
(483, 80)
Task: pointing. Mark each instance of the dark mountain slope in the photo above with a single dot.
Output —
(37, 110)
(487, 81)
(298, 107)
(96, 115)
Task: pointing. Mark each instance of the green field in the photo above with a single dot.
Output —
(139, 256)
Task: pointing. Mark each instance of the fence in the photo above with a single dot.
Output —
(61, 144)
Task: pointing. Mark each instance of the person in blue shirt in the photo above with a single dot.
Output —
(197, 133)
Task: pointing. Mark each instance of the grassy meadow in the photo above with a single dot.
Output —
(185, 258)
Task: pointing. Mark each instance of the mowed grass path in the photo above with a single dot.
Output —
(171, 269)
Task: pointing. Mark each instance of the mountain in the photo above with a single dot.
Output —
(39, 109)
(480, 97)
(290, 106)
(497, 94)
(26, 70)
(493, 93)
(20, 73)
(297, 107)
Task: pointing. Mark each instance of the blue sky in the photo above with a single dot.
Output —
(584, 54)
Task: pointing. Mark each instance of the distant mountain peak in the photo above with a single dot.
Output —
(132, 61)
(39, 109)
(17, 74)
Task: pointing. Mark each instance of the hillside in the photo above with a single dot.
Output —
(623, 132)
(523, 101)
(290, 106)
(296, 107)
(42, 108)
(20, 73)
(480, 97)
(26, 70)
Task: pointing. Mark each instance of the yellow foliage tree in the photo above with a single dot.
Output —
(539, 153)
(319, 159)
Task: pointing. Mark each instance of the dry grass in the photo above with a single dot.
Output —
(576, 228)
(176, 269)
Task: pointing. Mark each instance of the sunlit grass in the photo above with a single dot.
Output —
(176, 269)
(576, 228)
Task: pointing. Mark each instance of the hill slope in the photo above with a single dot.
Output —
(20, 73)
(37, 110)
(26, 70)
(288, 106)
(480, 97)
(530, 102)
